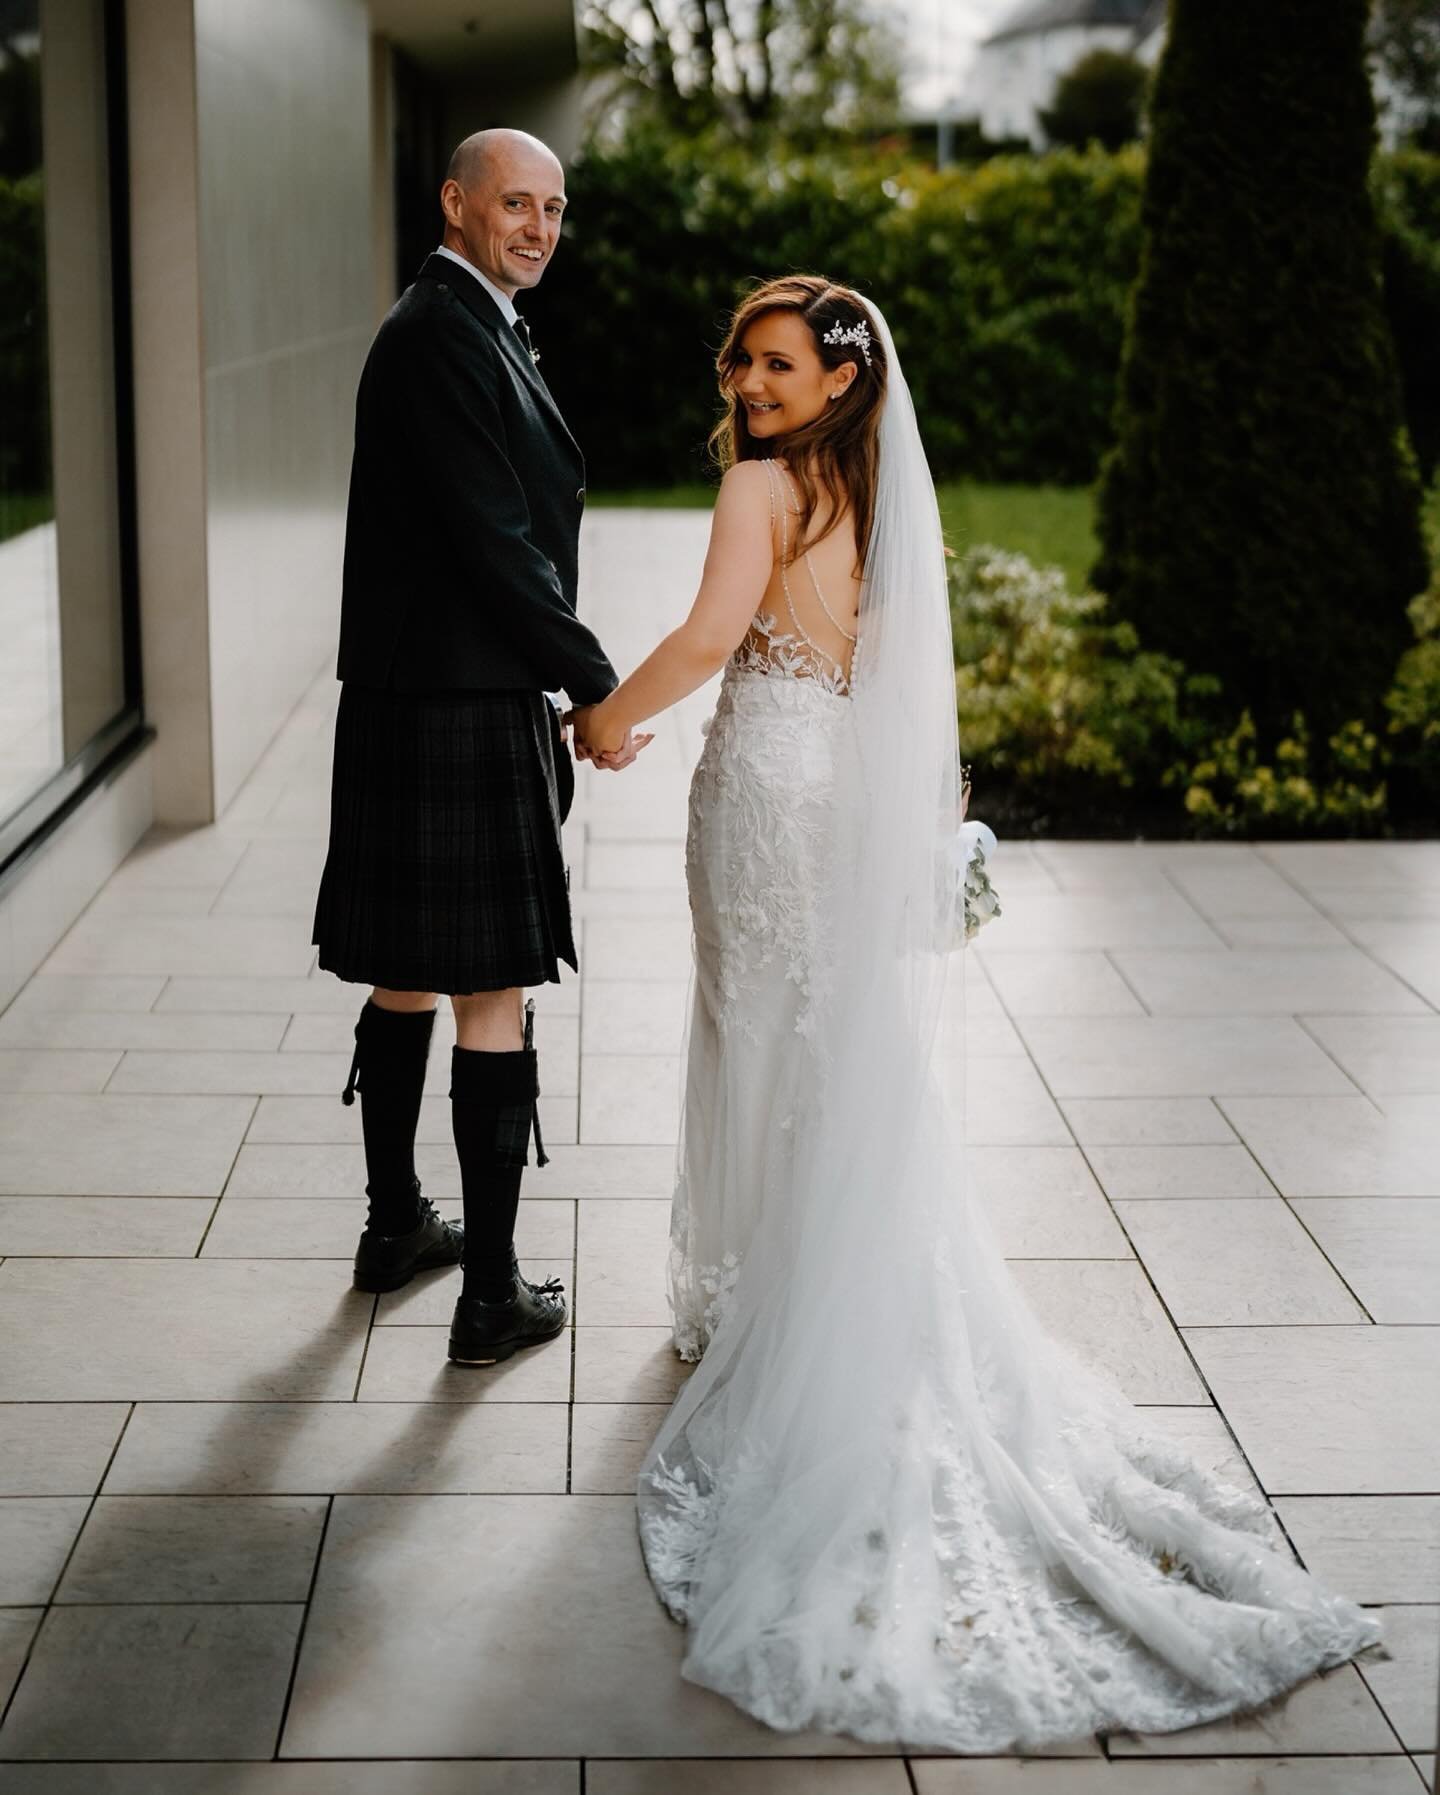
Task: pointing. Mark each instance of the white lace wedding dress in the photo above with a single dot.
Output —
(886, 1503)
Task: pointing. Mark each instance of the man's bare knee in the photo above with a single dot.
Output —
(489, 1021)
(408, 1001)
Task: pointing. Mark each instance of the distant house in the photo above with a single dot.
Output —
(1015, 69)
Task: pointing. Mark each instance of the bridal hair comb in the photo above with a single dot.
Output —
(858, 334)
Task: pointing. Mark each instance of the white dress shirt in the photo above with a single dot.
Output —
(502, 299)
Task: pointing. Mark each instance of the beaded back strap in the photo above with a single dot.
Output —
(772, 473)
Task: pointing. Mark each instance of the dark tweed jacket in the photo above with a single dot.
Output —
(466, 491)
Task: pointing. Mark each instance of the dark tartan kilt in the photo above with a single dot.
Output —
(445, 870)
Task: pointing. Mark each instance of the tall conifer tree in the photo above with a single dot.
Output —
(1259, 514)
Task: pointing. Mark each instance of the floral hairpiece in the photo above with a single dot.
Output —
(858, 334)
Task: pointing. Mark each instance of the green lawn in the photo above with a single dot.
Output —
(1047, 523)
(1052, 525)
(20, 511)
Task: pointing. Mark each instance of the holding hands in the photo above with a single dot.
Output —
(604, 743)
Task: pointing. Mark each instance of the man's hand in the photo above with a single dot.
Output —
(605, 747)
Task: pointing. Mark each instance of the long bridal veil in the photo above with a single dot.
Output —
(887, 1503)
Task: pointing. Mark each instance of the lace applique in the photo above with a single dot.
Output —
(1007, 1648)
(761, 833)
(701, 1296)
(766, 648)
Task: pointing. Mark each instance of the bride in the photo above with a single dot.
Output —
(886, 1503)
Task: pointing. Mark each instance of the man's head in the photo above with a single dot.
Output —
(502, 197)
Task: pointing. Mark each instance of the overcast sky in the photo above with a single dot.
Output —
(940, 38)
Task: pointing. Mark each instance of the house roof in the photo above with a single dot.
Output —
(1048, 15)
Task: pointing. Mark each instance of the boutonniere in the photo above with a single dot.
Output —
(535, 357)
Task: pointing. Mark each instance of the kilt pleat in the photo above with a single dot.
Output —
(445, 869)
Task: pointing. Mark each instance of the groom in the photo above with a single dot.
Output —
(445, 871)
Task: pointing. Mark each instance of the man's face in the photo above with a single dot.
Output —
(509, 220)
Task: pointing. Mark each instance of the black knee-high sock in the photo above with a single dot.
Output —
(391, 1048)
(492, 1110)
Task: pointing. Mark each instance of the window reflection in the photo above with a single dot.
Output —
(62, 661)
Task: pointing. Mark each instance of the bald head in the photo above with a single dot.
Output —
(503, 197)
(484, 155)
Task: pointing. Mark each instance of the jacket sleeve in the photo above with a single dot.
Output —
(448, 407)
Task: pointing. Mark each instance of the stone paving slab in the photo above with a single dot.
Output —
(253, 1520)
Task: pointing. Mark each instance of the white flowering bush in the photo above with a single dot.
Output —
(1052, 696)
(1067, 718)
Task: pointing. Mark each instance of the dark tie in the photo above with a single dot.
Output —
(522, 330)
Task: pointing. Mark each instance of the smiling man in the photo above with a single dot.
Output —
(445, 870)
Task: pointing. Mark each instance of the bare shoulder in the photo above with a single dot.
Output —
(744, 498)
(743, 510)
(746, 480)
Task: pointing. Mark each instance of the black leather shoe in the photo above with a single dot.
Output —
(484, 1333)
(389, 1261)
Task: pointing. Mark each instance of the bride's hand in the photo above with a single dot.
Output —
(605, 746)
(625, 755)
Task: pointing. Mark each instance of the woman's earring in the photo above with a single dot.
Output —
(834, 397)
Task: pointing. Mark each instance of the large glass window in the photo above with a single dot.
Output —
(68, 680)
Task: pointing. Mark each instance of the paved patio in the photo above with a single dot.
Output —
(253, 1523)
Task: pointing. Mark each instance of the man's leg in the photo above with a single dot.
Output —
(489, 1021)
(493, 1086)
(392, 1045)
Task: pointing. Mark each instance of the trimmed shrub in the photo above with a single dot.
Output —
(1259, 517)
(1236, 789)
(1100, 100)
(1406, 189)
(1413, 701)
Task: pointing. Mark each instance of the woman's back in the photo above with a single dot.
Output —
(807, 621)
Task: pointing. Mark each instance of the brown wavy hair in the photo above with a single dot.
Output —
(839, 453)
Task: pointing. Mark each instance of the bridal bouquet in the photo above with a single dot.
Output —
(971, 854)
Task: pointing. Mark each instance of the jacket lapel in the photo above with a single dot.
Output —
(476, 300)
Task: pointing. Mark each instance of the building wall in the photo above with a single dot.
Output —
(287, 295)
(548, 109)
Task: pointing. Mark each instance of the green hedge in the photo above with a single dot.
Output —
(1005, 286)
(24, 356)
(1006, 282)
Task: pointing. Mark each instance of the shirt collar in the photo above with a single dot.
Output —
(502, 299)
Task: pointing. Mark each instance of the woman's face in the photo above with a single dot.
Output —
(779, 377)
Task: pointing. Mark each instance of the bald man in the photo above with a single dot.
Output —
(451, 779)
